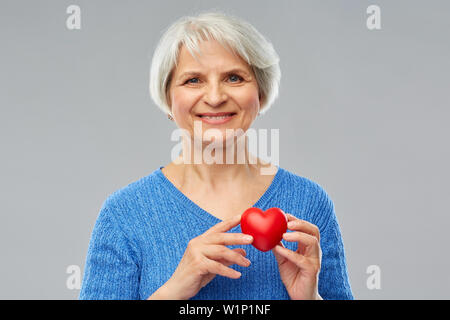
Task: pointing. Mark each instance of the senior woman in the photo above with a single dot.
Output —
(175, 234)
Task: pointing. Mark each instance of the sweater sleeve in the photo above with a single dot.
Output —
(334, 282)
(111, 269)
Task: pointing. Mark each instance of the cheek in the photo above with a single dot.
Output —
(249, 100)
(182, 102)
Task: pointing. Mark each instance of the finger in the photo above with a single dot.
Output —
(280, 259)
(310, 244)
(218, 252)
(298, 259)
(239, 251)
(228, 239)
(290, 217)
(218, 268)
(225, 225)
(303, 226)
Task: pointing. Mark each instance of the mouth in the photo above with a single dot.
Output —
(216, 118)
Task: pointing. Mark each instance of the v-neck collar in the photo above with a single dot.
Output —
(203, 214)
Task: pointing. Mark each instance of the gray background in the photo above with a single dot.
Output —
(363, 113)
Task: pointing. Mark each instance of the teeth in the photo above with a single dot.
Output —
(215, 117)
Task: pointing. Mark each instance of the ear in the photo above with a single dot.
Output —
(262, 99)
(167, 90)
(169, 103)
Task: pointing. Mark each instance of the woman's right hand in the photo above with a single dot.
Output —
(204, 258)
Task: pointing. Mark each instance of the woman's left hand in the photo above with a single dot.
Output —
(299, 270)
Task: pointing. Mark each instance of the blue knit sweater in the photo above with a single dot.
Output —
(143, 228)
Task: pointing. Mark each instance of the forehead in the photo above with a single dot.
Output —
(212, 55)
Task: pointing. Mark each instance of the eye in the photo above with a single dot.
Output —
(189, 80)
(235, 77)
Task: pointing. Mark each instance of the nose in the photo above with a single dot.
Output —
(215, 95)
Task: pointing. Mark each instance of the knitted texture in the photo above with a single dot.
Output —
(142, 231)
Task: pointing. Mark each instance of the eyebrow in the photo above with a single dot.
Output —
(198, 73)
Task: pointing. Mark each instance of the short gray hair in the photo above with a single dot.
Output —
(228, 30)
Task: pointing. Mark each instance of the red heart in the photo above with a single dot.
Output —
(266, 227)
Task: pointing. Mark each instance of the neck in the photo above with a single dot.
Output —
(214, 165)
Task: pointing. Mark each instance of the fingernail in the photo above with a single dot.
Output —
(290, 224)
(248, 238)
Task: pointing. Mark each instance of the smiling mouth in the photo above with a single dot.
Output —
(216, 116)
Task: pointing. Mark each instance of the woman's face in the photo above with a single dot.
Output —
(218, 82)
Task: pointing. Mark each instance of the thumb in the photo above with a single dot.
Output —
(280, 259)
